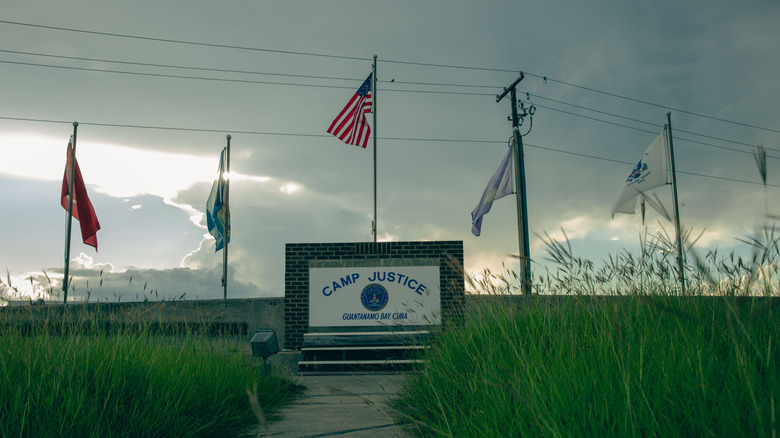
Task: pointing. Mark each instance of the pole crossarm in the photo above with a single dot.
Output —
(510, 88)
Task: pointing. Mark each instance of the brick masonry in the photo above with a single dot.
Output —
(298, 257)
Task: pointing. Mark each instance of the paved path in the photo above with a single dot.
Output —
(339, 405)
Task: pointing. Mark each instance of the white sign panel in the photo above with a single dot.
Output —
(368, 296)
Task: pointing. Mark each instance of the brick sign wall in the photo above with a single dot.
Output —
(301, 257)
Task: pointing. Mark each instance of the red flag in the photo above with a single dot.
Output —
(82, 207)
(351, 125)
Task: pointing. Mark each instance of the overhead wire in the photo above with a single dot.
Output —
(243, 81)
(643, 122)
(298, 84)
(677, 137)
(426, 64)
(172, 76)
(349, 87)
(417, 139)
(393, 90)
(182, 67)
(221, 70)
(190, 43)
(657, 105)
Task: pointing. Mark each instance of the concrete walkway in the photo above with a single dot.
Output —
(347, 405)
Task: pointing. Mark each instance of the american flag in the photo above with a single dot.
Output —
(350, 125)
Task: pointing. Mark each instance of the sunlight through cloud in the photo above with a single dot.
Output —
(289, 188)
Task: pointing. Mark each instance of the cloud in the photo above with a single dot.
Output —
(141, 171)
(290, 188)
(92, 284)
(149, 186)
(575, 228)
(83, 261)
(204, 256)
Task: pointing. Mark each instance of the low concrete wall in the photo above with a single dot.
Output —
(241, 317)
(237, 316)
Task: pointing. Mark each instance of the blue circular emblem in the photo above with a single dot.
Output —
(374, 297)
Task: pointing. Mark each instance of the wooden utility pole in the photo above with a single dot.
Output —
(520, 192)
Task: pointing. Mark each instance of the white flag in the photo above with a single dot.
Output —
(498, 187)
(650, 172)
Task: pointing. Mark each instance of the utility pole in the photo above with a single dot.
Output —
(520, 192)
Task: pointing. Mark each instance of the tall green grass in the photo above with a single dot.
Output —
(602, 366)
(75, 377)
(652, 270)
(610, 350)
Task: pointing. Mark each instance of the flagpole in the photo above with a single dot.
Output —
(226, 206)
(71, 195)
(680, 264)
(643, 236)
(373, 111)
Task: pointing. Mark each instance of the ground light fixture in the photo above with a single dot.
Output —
(264, 344)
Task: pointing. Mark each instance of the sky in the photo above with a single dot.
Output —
(157, 86)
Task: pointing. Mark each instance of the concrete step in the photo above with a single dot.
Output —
(321, 339)
(351, 351)
(358, 365)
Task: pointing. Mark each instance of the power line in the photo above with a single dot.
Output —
(164, 128)
(739, 151)
(219, 70)
(183, 67)
(528, 94)
(655, 132)
(593, 157)
(594, 90)
(418, 139)
(657, 105)
(244, 81)
(171, 76)
(593, 110)
(328, 86)
(247, 81)
(722, 139)
(191, 43)
(424, 64)
(250, 72)
(641, 121)
(595, 119)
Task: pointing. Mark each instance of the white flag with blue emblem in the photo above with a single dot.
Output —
(650, 172)
(498, 187)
